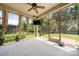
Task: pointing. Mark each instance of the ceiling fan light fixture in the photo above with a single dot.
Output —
(34, 7)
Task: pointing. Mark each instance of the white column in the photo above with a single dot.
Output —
(34, 30)
(37, 30)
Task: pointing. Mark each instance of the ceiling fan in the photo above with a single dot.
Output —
(34, 7)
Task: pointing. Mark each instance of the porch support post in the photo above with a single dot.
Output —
(27, 20)
(77, 16)
(36, 30)
(41, 30)
(4, 22)
(48, 27)
(59, 24)
(20, 25)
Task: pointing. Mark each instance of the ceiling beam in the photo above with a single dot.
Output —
(2, 6)
(53, 9)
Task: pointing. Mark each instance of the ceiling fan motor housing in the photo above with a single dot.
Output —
(34, 4)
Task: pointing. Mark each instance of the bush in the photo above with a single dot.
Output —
(1, 38)
(9, 38)
(1, 41)
(13, 37)
(0, 32)
(17, 38)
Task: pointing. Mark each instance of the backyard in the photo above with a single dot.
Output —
(69, 36)
(10, 38)
(65, 21)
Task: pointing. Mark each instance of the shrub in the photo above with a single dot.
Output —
(13, 37)
(9, 38)
(17, 38)
(1, 41)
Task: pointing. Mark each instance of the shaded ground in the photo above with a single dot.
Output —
(36, 48)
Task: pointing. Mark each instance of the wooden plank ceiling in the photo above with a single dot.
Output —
(23, 7)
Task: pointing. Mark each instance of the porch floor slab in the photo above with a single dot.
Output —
(36, 48)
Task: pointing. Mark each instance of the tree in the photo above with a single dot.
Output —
(24, 26)
(69, 19)
(44, 25)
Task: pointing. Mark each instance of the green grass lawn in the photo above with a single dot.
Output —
(30, 36)
(10, 38)
(69, 36)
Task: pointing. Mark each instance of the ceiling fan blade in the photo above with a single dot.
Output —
(36, 10)
(42, 7)
(29, 4)
(30, 9)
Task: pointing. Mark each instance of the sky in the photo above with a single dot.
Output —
(13, 18)
(0, 16)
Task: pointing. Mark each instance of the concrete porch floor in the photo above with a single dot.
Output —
(36, 48)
